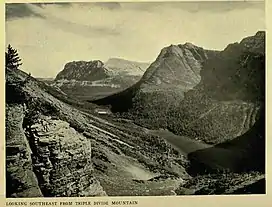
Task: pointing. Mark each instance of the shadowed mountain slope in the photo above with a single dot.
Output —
(240, 154)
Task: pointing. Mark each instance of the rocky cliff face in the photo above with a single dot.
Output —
(162, 87)
(45, 155)
(21, 180)
(83, 71)
(61, 159)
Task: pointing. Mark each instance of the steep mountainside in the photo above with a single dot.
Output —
(224, 104)
(44, 153)
(231, 94)
(177, 66)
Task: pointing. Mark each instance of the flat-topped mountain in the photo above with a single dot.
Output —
(97, 70)
(83, 71)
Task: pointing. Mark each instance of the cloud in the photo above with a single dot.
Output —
(19, 10)
(78, 23)
(135, 31)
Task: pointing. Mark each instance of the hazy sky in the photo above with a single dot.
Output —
(49, 35)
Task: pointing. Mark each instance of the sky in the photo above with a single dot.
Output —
(47, 36)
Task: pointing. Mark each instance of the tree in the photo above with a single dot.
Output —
(13, 61)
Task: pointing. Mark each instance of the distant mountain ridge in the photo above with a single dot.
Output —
(97, 70)
(95, 79)
(118, 66)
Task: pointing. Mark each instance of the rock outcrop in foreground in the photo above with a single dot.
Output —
(62, 158)
(45, 155)
(21, 181)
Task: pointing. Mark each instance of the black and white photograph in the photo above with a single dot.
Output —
(135, 99)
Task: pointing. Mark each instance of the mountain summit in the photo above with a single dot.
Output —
(97, 70)
(176, 66)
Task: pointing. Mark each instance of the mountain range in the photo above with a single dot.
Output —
(190, 123)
